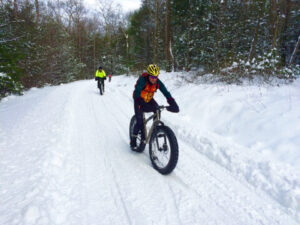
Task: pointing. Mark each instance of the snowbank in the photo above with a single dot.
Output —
(255, 128)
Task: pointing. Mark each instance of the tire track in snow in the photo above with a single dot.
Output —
(118, 122)
(169, 193)
(215, 185)
(115, 118)
(102, 181)
(112, 171)
(259, 174)
(228, 190)
(89, 121)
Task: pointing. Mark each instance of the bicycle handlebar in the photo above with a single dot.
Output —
(162, 107)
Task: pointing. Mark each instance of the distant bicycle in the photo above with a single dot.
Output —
(100, 76)
(163, 146)
(101, 85)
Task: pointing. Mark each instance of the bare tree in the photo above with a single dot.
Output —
(254, 40)
(168, 37)
(277, 21)
(56, 9)
(286, 14)
(15, 9)
(156, 33)
(93, 30)
(294, 52)
(127, 44)
(255, 36)
(76, 11)
(188, 45)
(274, 21)
(37, 10)
(110, 14)
(112, 18)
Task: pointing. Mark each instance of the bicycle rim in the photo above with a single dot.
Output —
(161, 150)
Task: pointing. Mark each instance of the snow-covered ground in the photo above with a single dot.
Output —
(65, 158)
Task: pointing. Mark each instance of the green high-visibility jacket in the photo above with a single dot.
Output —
(101, 74)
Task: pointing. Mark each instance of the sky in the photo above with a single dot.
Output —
(127, 5)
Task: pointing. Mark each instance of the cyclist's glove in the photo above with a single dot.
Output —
(173, 107)
(104, 78)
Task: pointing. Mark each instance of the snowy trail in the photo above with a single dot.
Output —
(65, 159)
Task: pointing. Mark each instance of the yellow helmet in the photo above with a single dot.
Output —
(153, 70)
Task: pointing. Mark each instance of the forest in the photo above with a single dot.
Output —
(52, 41)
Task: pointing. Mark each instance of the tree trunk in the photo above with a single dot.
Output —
(254, 41)
(274, 22)
(37, 9)
(294, 52)
(287, 9)
(155, 47)
(168, 37)
(15, 9)
(127, 49)
(79, 40)
(148, 45)
(217, 46)
(188, 45)
(127, 53)
(94, 51)
(278, 22)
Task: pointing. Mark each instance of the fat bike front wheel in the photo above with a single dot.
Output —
(163, 150)
(101, 87)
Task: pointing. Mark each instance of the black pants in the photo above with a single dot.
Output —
(100, 81)
(138, 110)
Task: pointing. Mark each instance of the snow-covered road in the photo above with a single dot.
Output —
(65, 159)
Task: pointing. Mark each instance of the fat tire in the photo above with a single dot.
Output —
(101, 91)
(173, 148)
(102, 87)
(141, 147)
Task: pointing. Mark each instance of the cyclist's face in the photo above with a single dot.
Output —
(153, 79)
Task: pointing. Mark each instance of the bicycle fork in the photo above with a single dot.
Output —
(153, 127)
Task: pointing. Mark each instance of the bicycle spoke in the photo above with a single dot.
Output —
(160, 155)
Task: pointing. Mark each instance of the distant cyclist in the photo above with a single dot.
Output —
(109, 77)
(145, 88)
(100, 76)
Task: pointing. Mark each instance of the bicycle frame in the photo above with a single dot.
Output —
(156, 122)
(163, 145)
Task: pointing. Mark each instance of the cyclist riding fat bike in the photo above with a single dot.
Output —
(145, 88)
(100, 75)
